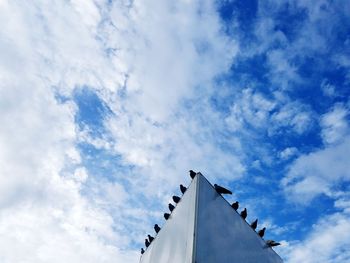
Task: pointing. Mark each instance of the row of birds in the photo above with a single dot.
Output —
(220, 190)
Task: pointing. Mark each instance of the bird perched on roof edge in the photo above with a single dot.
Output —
(171, 207)
(222, 190)
(272, 243)
(156, 228)
(261, 232)
(147, 243)
(235, 205)
(176, 199)
(254, 224)
(166, 216)
(150, 238)
(182, 189)
(244, 213)
(192, 174)
(142, 251)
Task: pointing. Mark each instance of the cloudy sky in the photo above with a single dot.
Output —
(106, 104)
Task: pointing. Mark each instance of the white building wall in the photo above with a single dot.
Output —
(223, 236)
(174, 242)
(203, 228)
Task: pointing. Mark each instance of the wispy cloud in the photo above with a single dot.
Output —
(326, 243)
(143, 63)
(335, 125)
(106, 104)
(319, 172)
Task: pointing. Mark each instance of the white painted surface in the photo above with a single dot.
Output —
(221, 235)
(174, 242)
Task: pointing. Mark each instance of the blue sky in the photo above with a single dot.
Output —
(105, 106)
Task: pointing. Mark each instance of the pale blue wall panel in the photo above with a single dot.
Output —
(223, 236)
(174, 243)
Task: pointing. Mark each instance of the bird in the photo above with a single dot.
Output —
(142, 251)
(182, 189)
(244, 213)
(171, 207)
(147, 243)
(156, 228)
(222, 190)
(176, 199)
(254, 224)
(235, 205)
(272, 243)
(192, 174)
(166, 216)
(261, 232)
(150, 238)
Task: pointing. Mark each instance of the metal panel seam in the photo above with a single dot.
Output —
(195, 221)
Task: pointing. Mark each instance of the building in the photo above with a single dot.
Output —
(204, 228)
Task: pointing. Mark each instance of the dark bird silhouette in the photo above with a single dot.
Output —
(182, 189)
(222, 190)
(171, 207)
(192, 174)
(147, 243)
(142, 251)
(261, 232)
(272, 243)
(254, 224)
(156, 228)
(244, 213)
(166, 216)
(176, 199)
(235, 205)
(150, 238)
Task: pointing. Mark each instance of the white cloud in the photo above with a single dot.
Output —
(143, 60)
(80, 174)
(43, 217)
(328, 89)
(273, 115)
(153, 65)
(294, 115)
(252, 108)
(327, 242)
(169, 58)
(288, 152)
(282, 69)
(317, 173)
(312, 33)
(164, 152)
(334, 124)
(166, 57)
